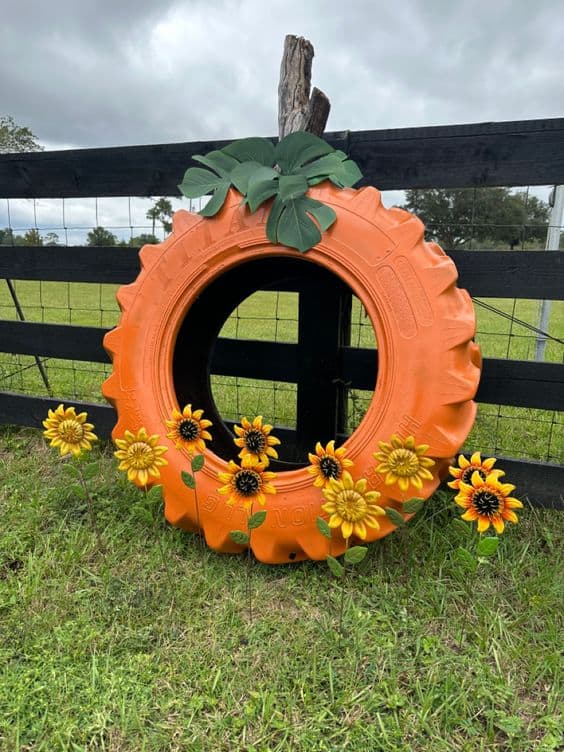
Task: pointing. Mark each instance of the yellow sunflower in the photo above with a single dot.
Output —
(466, 467)
(350, 506)
(403, 462)
(246, 483)
(188, 429)
(255, 439)
(69, 431)
(488, 501)
(140, 456)
(327, 463)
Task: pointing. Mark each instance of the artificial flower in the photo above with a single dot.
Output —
(466, 467)
(254, 439)
(140, 456)
(327, 463)
(488, 501)
(246, 483)
(68, 431)
(402, 462)
(188, 429)
(350, 506)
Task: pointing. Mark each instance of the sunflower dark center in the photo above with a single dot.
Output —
(466, 476)
(330, 467)
(255, 441)
(486, 502)
(247, 482)
(71, 431)
(189, 429)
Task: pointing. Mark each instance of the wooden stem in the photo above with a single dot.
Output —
(297, 111)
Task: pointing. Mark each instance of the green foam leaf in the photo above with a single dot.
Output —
(256, 519)
(323, 527)
(394, 516)
(355, 554)
(239, 537)
(199, 182)
(487, 546)
(335, 567)
(253, 149)
(188, 479)
(197, 462)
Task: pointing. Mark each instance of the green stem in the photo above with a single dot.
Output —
(249, 567)
(164, 559)
(343, 587)
(200, 532)
(91, 509)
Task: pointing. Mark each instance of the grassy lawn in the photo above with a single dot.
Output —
(144, 643)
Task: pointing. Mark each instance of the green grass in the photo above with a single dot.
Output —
(116, 650)
(517, 432)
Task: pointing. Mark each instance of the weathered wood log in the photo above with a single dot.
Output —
(297, 111)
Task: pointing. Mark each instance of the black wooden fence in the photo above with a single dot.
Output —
(491, 154)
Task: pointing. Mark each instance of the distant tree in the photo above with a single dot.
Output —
(15, 138)
(144, 239)
(7, 236)
(32, 237)
(493, 216)
(161, 212)
(51, 238)
(101, 236)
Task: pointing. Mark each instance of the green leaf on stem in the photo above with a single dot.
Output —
(77, 490)
(335, 567)
(72, 470)
(197, 462)
(188, 479)
(465, 559)
(323, 527)
(155, 494)
(487, 546)
(394, 516)
(355, 554)
(239, 537)
(91, 470)
(411, 506)
(256, 520)
(460, 526)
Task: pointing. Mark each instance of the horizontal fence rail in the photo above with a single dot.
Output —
(503, 382)
(517, 153)
(508, 154)
(537, 275)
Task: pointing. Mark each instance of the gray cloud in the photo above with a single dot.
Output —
(121, 72)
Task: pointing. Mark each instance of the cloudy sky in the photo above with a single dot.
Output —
(115, 72)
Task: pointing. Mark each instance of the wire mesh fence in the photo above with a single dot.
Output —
(507, 328)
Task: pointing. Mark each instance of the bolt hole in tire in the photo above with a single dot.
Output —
(163, 348)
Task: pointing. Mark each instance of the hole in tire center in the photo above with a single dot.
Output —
(264, 338)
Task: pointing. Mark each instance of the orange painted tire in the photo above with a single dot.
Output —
(428, 365)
